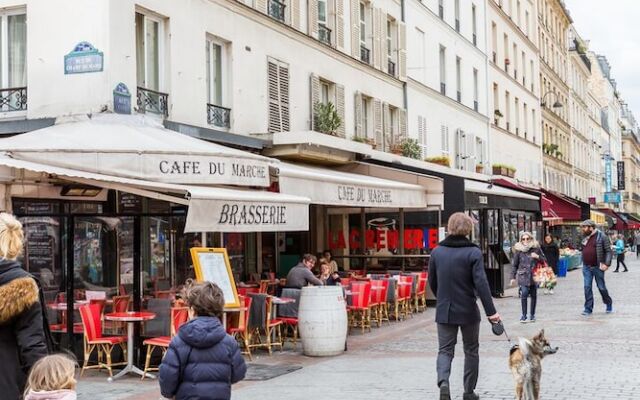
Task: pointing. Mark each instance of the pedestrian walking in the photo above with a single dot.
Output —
(596, 259)
(636, 242)
(23, 340)
(551, 252)
(620, 250)
(301, 275)
(202, 360)
(52, 378)
(527, 254)
(456, 277)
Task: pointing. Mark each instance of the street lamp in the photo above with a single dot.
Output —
(556, 104)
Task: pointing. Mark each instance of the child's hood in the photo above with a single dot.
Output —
(202, 332)
(64, 394)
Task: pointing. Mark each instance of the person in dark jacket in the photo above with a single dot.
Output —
(527, 254)
(596, 259)
(551, 252)
(456, 277)
(202, 361)
(22, 335)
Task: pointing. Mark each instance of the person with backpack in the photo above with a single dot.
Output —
(202, 361)
(23, 337)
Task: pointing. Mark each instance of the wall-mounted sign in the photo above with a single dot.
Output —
(613, 197)
(377, 239)
(121, 99)
(82, 59)
(620, 168)
(607, 173)
(592, 201)
(483, 199)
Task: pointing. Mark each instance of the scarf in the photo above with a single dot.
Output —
(586, 239)
(524, 248)
(457, 241)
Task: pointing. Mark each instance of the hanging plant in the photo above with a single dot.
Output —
(411, 148)
(327, 119)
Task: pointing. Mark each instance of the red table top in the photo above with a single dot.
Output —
(130, 316)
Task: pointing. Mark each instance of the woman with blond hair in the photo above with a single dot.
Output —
(22, 334)
(527, 254)
(52, 378)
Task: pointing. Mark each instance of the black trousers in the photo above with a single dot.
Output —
(447, 339)
(620, 260)
(526, 291)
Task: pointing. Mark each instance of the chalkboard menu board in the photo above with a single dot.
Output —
(212, 264)
(130, 203)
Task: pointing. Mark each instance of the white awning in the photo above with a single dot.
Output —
(210, 209)
(335, 188)
(138, 147)
(486, 188)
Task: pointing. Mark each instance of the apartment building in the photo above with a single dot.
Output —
(631, 158)
(446, 81)
(513, 72)
(553, 24)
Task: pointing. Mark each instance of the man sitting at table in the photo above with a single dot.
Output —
(301, 274)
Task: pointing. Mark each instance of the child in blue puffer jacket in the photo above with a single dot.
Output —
(202, 361)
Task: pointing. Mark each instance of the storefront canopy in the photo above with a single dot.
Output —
(562, 207)
(138, 147)
(336, 188)
(211, 209)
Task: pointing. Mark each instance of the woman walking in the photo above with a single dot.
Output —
(527, 254)
(620, 250)
(551, 252)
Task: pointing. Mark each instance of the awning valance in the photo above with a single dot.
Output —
(486, 188)
(562, 207)
(336, 188)
(141, 148)
(211, 209)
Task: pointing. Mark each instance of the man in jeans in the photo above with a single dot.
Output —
(596, 259)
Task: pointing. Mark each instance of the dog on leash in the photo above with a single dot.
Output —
(525, 362)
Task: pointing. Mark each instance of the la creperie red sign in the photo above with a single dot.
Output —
(414, 239)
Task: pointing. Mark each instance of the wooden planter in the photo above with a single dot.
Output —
(503, 171)
(480, 169)
(439, 162)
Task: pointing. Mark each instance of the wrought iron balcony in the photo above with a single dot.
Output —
(441, 11)
(458, 96)
(475, 40)
(443, 88)
(324, 34)
(495, 57)
(391, 68)
(276, 10)
(365, 54)
(13, 99)
(457, 25)
(475, 105)
(152, 101)
(218, 116)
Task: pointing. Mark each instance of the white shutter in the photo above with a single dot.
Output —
(402, 123)
(422, 135)
(358, 116)
(313, 18)
(402, 51)
(459, 149)
(315, 98)
(384, 65)
(444, 139)
(275, 120)
(377, 33)
(470, 147)
(339, 29)
(261, 5)
(340, 109)
(283, 76)
(294, 18)
(386, 119)
(377, 124)
(355, 29)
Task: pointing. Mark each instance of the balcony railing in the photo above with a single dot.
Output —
(475, 105)
(219, 116)
(443, 88)
(152, 101)
(495, 57)
(365, 54)
(391, 68)
(276, 10)
(13, 99)
(475, 40)
(324, 34)
(457, 25)
(441, 11)
(515, 74)
(458, 96)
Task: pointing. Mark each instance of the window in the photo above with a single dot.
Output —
(364, 50)
(506, 52)
(444, 139)
(13, 60)
(525, 115)
(494, 42)
(517, 115)
(148, 34)
(278, 89)
(457, 15)
(391, 65)
(458, 79)
(524, 68)
(474, 25)
(367, 125)
(443, 76)
(420, 54)
(519, 16)
(496, 103)
(325, 90)
(507, 109)
(217, 114)
(526, 23)
(475, 89)
(441, 8)
(481, 157)
(324, 33)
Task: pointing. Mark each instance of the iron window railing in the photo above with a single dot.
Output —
(365, 54)
(13, 99)
(391, 68)
(459, 96)
(443, 88)
(324, 34)
(219, 116)
(475, 40)
(475, 105)
(276, 10)
(152, 101)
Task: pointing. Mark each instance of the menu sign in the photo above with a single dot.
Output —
(212, 265)
(130, 203)
(40, 244)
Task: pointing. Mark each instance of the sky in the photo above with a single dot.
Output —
(613, 29)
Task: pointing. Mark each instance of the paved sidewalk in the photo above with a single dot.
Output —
(597, 357)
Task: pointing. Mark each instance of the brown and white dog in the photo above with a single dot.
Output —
(525, 362)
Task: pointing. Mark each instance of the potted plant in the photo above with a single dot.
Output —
(396, 149)
(327, 119)
(497, 113)
(411, 148)
(503, 169)
(480, 168)
(440, 160)
(359, 139)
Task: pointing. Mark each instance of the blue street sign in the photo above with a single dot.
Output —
(83, 58)
(607, 173)
(121, 99)
(613, 197)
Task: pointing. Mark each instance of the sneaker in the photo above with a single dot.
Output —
(532, 318)
(550, 291)
(609, 308)
(586, 313)
(445, 394)
(523, 319)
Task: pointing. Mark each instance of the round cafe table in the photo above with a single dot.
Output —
(130, 317)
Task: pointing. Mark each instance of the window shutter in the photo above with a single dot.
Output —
(377, 124)
(294, 8)
(261, 5)
(422, 135)
(377, 33)
(283, 77)
(313, 18)
(355, 29)
(315, 98)
(470, 147)
(402, 51)
(402, 123)
(383, 42)
(386, 119)
(339, 36)
(275, 121)
(459, 149)
(340, 109)
(358, 116)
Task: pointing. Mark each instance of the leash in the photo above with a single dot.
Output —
(498, 329)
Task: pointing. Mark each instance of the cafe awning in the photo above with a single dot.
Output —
(562, 207)
(138, 147)
(336, 188)
(211, 209)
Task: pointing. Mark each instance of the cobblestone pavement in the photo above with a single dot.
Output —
(599, 356)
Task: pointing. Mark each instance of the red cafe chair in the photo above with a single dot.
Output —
(241, 332)
(376, 300)
(120, 304)
(404, 295)
(179, 315)
(93, 339)
(360, 305)
(421, 291)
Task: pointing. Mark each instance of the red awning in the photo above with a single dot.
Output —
(621, 222)
(559, 206)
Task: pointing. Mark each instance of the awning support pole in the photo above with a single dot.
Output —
(401, 237)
